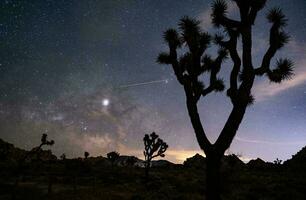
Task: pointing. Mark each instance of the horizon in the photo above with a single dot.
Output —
(85, 73)
(176, 157)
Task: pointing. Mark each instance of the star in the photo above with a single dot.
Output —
(105, 102)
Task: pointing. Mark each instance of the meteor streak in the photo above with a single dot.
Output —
(144, 83)
(268, 142)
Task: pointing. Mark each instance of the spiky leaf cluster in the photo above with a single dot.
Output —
(219, 39)
(172, 38)
(279, 39)
(219, 85)
(164, 58)
(219, 9)
(207, 62)
(277, 17)
(192, 35)
(283, 71)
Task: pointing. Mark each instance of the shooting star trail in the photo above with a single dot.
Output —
(144, 83)
(268, 142)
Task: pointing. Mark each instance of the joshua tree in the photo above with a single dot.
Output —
(37, 150)
(86, 154)
(154, 147)
(63, 156)
(277, 162)
(34, 151)
(191, 66)
(113, 156)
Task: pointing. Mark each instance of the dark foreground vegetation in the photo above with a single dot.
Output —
(46, 177)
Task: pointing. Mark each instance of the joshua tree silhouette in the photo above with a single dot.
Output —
(153, 144)
(113, 156)
(277, 162)
(189, 67)
(86, 154)
(63, 156)
(34, 151)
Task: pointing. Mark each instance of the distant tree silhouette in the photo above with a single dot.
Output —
(86, 154)
(113, 156)
(277, 162)
(63, 156)
(154, 147)
(190, 67)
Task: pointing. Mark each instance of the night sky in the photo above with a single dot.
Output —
(85, 72)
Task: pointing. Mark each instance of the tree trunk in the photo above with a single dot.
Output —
(147, 171)
(213, 183)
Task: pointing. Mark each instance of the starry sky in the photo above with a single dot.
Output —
(85, 73)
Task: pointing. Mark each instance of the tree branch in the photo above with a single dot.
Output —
(231, 46)
(214, 83)
(202, 139)
(278, 39)
(265, 64)
(229, 131)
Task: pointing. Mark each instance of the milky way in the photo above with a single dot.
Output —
(64, 65)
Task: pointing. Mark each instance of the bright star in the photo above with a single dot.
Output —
(105, 102)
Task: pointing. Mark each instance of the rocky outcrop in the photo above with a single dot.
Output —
(227, 162)
(259, 164)
(298, 160)
(196, 161)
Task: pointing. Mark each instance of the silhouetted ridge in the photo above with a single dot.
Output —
(298, 160)
(227, 162)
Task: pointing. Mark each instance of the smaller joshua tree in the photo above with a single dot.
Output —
(35, 151)
(86, 154)
(113, 156)
(44, 141)
(63, 156)
(154, 147)
(277, 162)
